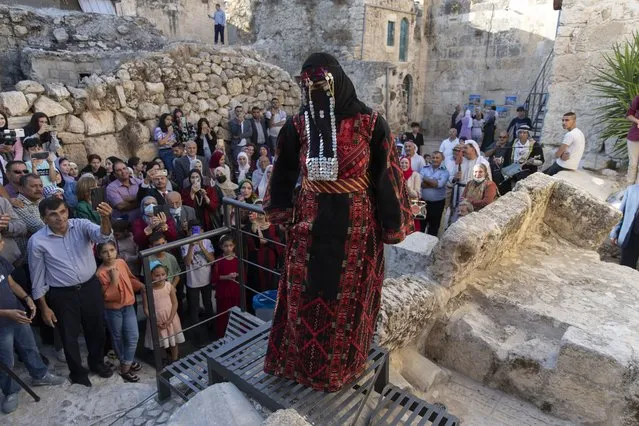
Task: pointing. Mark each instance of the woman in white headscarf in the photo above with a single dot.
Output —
(224, 183)
(467, 125)
(243, 171)
(266, 177)
(472, 157)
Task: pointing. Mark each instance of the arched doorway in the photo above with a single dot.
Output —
(407, 94)
(403, 40)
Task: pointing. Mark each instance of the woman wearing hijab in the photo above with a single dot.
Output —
(480, 191)
(352, 200)
(224, 183)
(472, 157)
(149, 223)
(413, 185)
(266, 177)
(203, 199)
(243, 170)
(467, 125)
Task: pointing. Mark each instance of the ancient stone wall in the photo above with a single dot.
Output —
(56, 47)
(115, 114)
(493, 48)
(178, 19)
(587, 29)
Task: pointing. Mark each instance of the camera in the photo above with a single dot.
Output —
(9, 137)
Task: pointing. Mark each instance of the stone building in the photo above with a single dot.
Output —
(490, 48)
(378, 42)
(587, 30)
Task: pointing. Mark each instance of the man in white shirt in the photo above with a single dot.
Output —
(417, 162)
(448, 144)
(568, 155)
(276, 120)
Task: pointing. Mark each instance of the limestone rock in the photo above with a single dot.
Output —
(14, 103)
(120, 121)
(74, 124)
(59, 122)
(19, 122)
(61, 35)
(76, 153)
(147, 151)
(221, 404)
(287, 417)
(199, 76)
(409, 306)
(98, 122)
(420, 372)
(20, 30)
(67, 105)
(56, 91)
(30, 86)
(148, 111)
(202, 105)
(119, 91)
(154, 88)
(71, 138)
(106, 146)
(234, 86)
(223, 100)
(49, 107)
(136, 135)
(77, 93)
(31, 97)
(411, 256)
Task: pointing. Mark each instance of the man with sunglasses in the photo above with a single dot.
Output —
(568, 155)
(14, 171)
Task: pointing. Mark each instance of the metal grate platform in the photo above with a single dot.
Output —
(397, 407)
(189, 375)
(241, 362)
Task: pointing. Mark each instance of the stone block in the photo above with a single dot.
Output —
(223, 100)
(234, 86)
(67, 105)
(61, 35)
(77, 94)
(13, 103)
(49, 107)
(31, 97)
(198, 76)
(106, 146)
(221, 404)
(119, 91)
(175, 102)
(120, 121)
(59, 122)
(19, 122)
(71, 138)
(154, 88)
(410, 304)
(56, 91)
(136, 134)
(287, 417)
(202, 105)
(419, 371)
(98, 122)
(77, 153)
(74, 124)
(411, 256)
(148, 111)
(30, 86)
(587, 229)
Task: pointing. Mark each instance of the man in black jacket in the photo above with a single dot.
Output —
(260, 129)
(416, 136)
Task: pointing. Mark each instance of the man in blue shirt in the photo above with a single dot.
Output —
(219, 17)
(434, 179)
(626, 233)
(62, 267)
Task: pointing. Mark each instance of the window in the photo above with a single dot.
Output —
(407, 93)
(403, 40)
(390, 34)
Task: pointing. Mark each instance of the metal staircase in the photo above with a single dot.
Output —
(537, 99)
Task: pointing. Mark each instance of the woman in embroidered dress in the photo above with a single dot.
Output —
(352, 200)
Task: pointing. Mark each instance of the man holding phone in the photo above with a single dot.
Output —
(62, 267)
(158, 189)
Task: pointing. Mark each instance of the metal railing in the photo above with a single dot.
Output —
(537, 99)
(232, 209)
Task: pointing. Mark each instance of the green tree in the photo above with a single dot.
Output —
(618, 84)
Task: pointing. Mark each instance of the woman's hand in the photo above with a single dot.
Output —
(161, 218)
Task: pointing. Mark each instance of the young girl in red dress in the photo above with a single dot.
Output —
(225, 281)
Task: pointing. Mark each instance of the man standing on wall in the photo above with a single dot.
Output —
(633, 142)
(219, 17)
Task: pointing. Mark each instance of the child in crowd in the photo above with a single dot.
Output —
(119, 286)
(227, 290)
(127, 249)
(168, 260)
(262, 249)
(45, 168)
(169, 326)
(197, 259)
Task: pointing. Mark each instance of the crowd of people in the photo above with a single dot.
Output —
(71, 241)
(471, 169)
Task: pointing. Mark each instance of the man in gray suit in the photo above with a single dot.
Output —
(185, 164)
(181, 214)
(241, 132)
